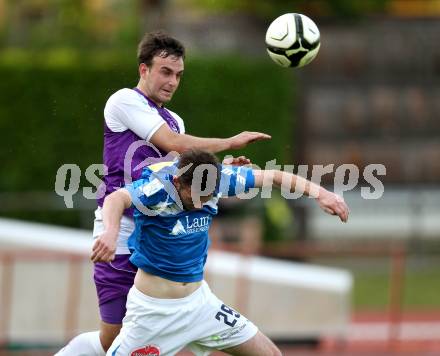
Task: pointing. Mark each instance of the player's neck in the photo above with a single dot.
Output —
(141, 88)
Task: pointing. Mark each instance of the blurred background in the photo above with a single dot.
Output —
(372, 95)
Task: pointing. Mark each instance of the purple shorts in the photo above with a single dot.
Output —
(113, 281)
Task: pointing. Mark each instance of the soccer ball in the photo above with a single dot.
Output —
(292, 40)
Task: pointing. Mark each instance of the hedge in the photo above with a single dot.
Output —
(53, 114)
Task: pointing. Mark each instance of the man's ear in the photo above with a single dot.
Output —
(143, 70)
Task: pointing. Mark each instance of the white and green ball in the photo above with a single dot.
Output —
(292, 40)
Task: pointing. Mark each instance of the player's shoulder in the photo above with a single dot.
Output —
(155, 182)
(152, 186)
(165, 167)
(127, 96)
(123, 93)
(161, 171)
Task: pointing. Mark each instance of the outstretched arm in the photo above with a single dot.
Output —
(168, 140)
(329, 202)
(105, 245)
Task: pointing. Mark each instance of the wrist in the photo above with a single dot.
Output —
(322, 192)
(316, 191)
(228, 143)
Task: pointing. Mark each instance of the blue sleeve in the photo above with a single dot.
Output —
(146, 192)
(235, 180)
(136, 192)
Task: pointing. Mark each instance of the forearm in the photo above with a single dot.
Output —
(184, 142)
(329, 202)
(170, 141)
(113, 209)
(297, 183)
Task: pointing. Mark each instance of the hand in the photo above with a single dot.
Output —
(244, 138)
(236, 161)
(104, 247)
(333, 204)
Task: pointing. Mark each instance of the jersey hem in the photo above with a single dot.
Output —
(171, 277)
(154, 130)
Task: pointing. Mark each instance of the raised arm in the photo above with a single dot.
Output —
(168, 140)
(105, 245)
(330, 202)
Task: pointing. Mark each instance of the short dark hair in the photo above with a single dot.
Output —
(196, 158)
(158, 43)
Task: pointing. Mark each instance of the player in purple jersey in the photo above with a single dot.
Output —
(170, 306)
(138, 127)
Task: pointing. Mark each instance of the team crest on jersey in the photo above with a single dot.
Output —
(149, 350)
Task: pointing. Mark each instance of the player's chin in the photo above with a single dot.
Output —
(166, 96)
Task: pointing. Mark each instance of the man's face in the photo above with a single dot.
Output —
(190, 202)
(161, 79)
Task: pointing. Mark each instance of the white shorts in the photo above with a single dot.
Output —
(162, 327)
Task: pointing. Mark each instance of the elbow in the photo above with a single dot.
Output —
(170, 141)
(119, 197)
(110, 199)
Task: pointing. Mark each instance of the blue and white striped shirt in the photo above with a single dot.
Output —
(168, 241)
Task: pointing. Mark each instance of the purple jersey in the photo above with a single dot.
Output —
(131, 117)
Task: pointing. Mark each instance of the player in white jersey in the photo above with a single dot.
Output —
(138, 127)
(170, 306)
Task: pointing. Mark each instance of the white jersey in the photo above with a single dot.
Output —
(129, 110)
